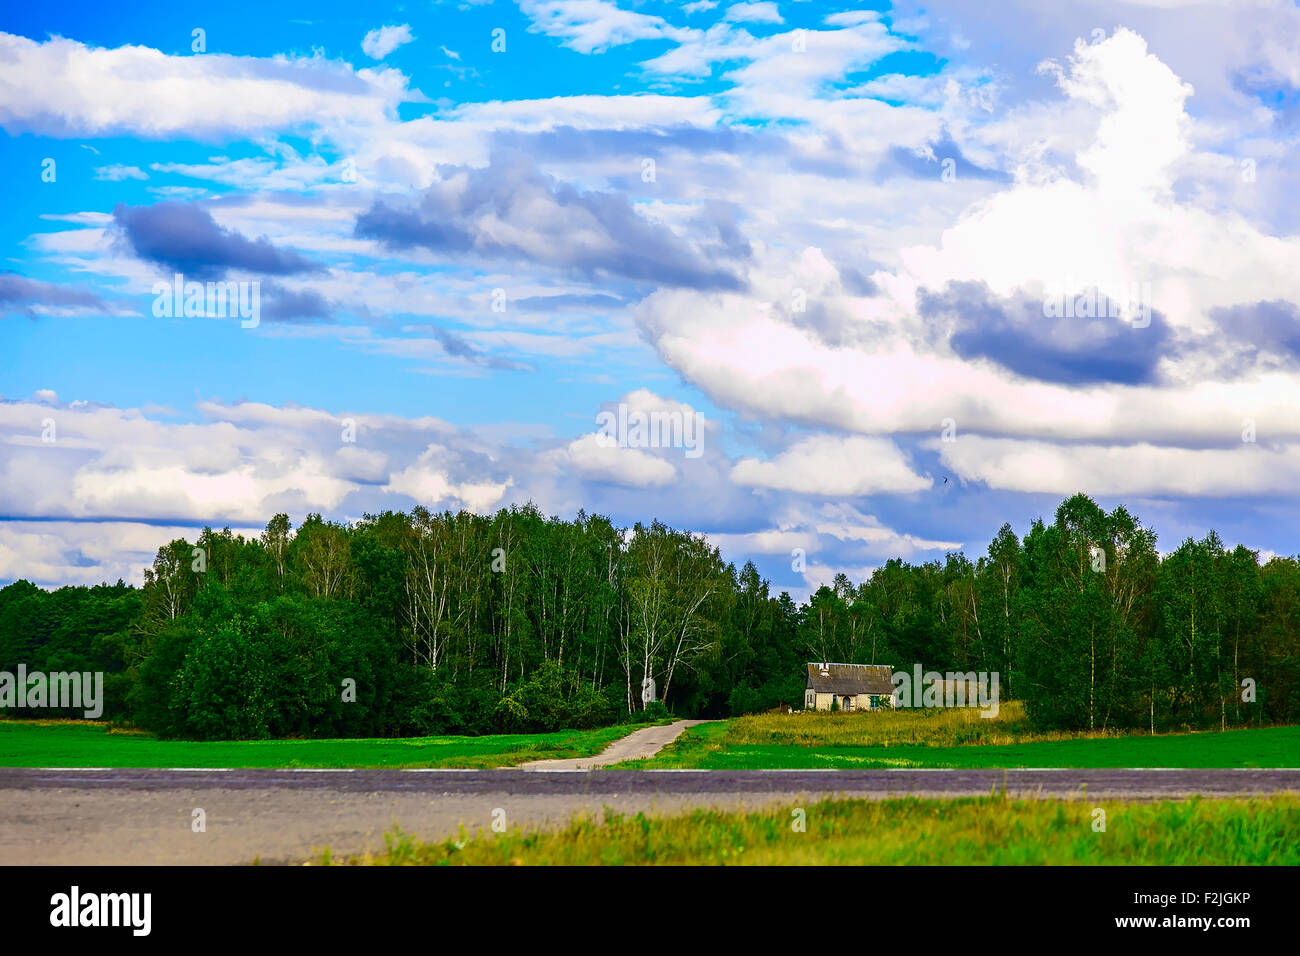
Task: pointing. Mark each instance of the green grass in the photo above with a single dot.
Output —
(955, 739)
(973, 831)
(85, 744)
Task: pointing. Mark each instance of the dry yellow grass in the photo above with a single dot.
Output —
(946, 727)
(72, 722)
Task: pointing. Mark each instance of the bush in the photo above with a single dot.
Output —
(654, 711)
(555, 698)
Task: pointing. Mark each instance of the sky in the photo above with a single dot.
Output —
(901, 273)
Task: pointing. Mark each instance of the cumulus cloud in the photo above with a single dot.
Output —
(1246, 468)
(1126, 225)
(381, 41)
(832, 466)
(592, 458)
(239, 464)
(957, 333)
(637, 438)
(428, 480)
(55, 553)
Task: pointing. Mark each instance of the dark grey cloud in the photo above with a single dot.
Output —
(288, 305)
(1259, 332)
(457, 347)
(719, 221)
(1014, 333)
(22, 296)
(186, 238)
(549, 223)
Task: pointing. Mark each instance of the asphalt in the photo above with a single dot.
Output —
(1125, 783)
(138, 816)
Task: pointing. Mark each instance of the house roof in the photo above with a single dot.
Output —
(851, 679)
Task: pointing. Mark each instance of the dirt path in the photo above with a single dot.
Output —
(635, 746)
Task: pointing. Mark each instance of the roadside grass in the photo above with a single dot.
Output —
(980, 831)
(957, 738)
(48, 743)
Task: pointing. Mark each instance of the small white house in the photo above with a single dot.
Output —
(849, 686)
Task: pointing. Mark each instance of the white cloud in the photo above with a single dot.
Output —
(381, 41)
(241, 463)
(846, 523)
(592, 26)
(55, 553)
(428, 482)
(117, 172)
(763, 11)
(829, 465)
(828, 539)
(870, 363)
(1137, 469)
(852, 18)
(63, 88)
(597, 460)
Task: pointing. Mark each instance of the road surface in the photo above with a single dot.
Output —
(145, 816)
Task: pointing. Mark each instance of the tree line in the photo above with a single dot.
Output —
(424, 623)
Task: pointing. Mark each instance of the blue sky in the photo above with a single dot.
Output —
(832, 231)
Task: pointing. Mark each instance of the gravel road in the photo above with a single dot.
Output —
(144, 816)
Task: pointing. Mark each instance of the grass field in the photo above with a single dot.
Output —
(935, 738)
(956, 738)
(978, 831)
(87, 744)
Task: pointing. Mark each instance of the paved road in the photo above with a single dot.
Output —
(637, 745)
(144, 816)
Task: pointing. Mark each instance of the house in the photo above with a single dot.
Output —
(849, 686)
